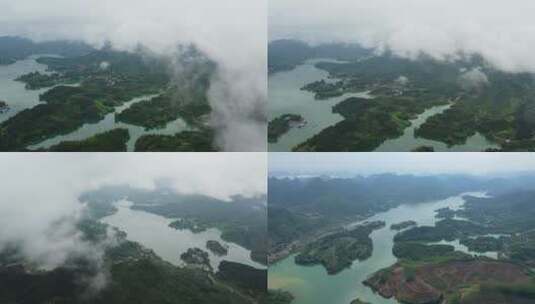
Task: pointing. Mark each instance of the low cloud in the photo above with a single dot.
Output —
(232, 33)
(501, 31)
(40, 210)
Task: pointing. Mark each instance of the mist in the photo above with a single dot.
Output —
(351, 164)
(40, 206)
(501, 31)
(232, 33)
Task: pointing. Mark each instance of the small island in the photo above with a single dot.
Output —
(4, 107)
(282, 124)
(403, 225)
(109, 141)
(423, 149)
(358, 301)
(197, 258)
(37, 80)
(192, 225)
(337, 251)
(216, 248)
(185, 141)
(445, 213)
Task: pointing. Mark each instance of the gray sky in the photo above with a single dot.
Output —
(503, 31)
(40, 190)
(416, 163)
(231, 32)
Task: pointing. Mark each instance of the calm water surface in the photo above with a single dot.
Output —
(312, 285)
(152, 231)
(286, 96)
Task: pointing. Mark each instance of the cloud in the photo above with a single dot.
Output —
(39, 208)
(231, 32)
(501, 31)
(473, 79)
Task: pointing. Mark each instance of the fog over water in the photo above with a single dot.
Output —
(39, 208)
(501, 31)
(232, 33)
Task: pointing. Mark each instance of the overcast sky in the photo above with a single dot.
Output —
(41, 190)
(415, 163)
(231, 32)
(502, 31)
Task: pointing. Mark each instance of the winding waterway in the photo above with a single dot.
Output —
(286, 97)
(19, 98)
(153, 231)
(13, 92)
(109, 123)
(312, 284)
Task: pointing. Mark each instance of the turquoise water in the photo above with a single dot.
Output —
(312, 285)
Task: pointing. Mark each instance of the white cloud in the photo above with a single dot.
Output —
(39, 206)
(502, 31)
(231, 32)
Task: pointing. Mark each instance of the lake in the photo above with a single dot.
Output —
(19, 98)
(153, 231)
(286, 97)
(312, 284)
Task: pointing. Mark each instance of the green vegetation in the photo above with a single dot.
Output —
(109, 141)
(107, 79)
(134, 274)
(287, 54)
(423, 149)
(445, 213)
(13, 49)
(67, 108)
(302, 208)
(185, 141)
(247, 278)
(368, 122)
(403, 225)
(36, 80)
(499, 105)
(448, 229)
(338, 250)
(418, 251)
(216, 248)
(242, 220)
(4, 107)
(196, 257)
(193, 225)
(484, 243)
(282, 124)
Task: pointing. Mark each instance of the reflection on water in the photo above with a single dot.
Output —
(152, 231)
(312, 285)
(286, 97)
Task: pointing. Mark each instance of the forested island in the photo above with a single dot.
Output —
(135, 274)
(85, 84)
(432, 273)
(483, 100)
(338, 250)
(216, 247)
(241, 221)
(282, 124)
